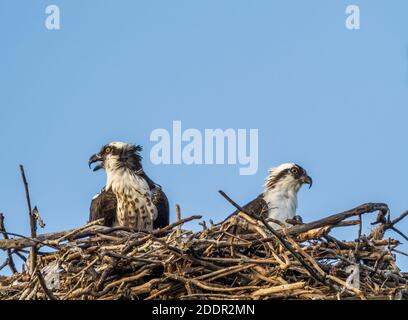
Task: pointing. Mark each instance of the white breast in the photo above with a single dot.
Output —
(135, 207)
(282, 205)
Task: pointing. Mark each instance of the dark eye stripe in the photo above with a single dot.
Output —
(271, 183)
(301, 171)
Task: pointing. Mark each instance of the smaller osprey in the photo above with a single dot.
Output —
(130, 198)
(279, 200)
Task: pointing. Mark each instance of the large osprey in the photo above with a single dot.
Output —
(279, 200)
(130, 198)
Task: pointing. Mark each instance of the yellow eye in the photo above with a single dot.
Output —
(295, 170)
(108, 150)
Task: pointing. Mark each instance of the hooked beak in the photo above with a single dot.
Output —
(96, 158)
(308, 180)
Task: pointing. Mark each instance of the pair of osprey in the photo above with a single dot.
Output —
(131, 199)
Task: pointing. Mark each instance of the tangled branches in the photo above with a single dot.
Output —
(241, 258)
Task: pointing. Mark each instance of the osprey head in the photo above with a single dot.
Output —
(116, 155)
(288, 176)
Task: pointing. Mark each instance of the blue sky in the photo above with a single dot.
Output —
(330, 99)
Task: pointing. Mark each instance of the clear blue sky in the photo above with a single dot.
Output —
(333, 100)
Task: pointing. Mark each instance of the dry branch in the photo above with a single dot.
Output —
(33, 223)
(10, 260)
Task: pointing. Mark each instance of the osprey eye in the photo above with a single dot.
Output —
(294, 170)
(108, 150)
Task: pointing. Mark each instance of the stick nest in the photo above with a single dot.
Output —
(240, 258)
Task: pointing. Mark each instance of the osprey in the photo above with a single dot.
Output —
(130, 198)
(279, 199)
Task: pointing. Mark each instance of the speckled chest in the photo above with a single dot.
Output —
(135, 208)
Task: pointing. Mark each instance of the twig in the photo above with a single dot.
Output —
(278, 289)
(4, 264)
(33, 226)
(360, 228)
(399, 232)
(380, 231)
(177, 223)
(336, 218)
(9, 254)
(178, 218)
(19, 244)
(401, 252)
(47, 291)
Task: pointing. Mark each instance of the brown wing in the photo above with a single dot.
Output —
(104, 206)
(257, 207)
(161, 202)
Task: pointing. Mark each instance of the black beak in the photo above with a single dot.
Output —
(308, 180)
(96, 158)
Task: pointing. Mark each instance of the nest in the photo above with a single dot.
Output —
(240, 258)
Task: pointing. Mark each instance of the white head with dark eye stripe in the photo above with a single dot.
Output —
(118, 155)
(118, 159)
(287, 176)
(281, 188)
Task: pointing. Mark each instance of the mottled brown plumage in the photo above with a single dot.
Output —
(258, 207)
(104, 206)
(130, 198)
(161, 202)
